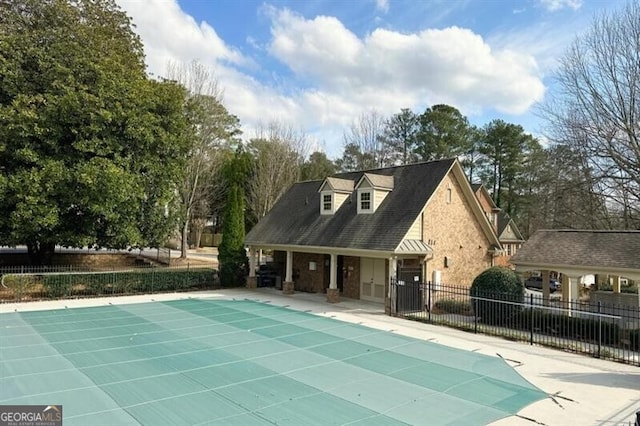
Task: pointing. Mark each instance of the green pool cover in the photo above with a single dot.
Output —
(198, 361)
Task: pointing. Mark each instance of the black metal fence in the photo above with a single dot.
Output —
(601, 330)
(27, 283)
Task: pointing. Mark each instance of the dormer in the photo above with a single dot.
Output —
(333, 192)
(372, 189)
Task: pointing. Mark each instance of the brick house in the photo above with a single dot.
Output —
(351, 233)
(508, 233)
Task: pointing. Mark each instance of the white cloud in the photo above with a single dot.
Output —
(554, 5)
(178, 37)
(338, 75)
(181, 39)
(393, 69)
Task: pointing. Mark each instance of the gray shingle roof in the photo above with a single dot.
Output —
(296, 220)
(380, 181)
(585, 248)
(503, 220)
(340, 185)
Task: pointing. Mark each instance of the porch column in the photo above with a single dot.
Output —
(616, 284)
(393, 273)
(570, 291)
(545, 287)
(333, 293)
(252, 280)
(287, 285)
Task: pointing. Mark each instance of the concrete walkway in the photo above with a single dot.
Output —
(582, 390)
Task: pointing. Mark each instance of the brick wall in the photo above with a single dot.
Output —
(307, 280)
(351, 277)
(453, 232)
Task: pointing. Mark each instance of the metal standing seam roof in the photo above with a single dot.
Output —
(582, 248)
(296, 220)
(413, 247)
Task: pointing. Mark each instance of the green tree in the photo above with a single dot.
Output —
(473, 160)
(234, 264)
(443, 133)
(400, 136)
(353, 159)
(89, 145)
(318, 166)
(506, 147)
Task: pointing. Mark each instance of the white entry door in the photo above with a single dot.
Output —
(372, 278)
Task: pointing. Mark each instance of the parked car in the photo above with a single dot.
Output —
(536, 282)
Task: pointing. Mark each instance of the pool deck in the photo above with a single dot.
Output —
(584, 390)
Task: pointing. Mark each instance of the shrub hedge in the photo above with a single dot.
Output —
(126, 282)
(561, 325)
(453, 306)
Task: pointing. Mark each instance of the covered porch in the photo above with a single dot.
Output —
(352, 273)
(578, 253)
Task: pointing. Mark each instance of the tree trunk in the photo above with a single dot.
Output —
(198, 226)
(185, 237)
(41, 253)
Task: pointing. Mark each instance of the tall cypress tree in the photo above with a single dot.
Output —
(232, 256)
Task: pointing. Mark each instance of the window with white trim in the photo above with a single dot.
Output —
(365, 201)
(326, 202)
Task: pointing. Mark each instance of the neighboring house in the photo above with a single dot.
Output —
(508, 233)
(351, 233)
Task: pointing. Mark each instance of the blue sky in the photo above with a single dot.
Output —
(318, 65)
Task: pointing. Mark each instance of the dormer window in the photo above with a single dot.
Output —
(333, 193)
(372, 190)
(326, 203)
(365, 201)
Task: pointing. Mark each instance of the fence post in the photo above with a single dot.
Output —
(20, 287)
(599, 329)
(531, 319)
(475, 314)
(429, 299)
(21, 282)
